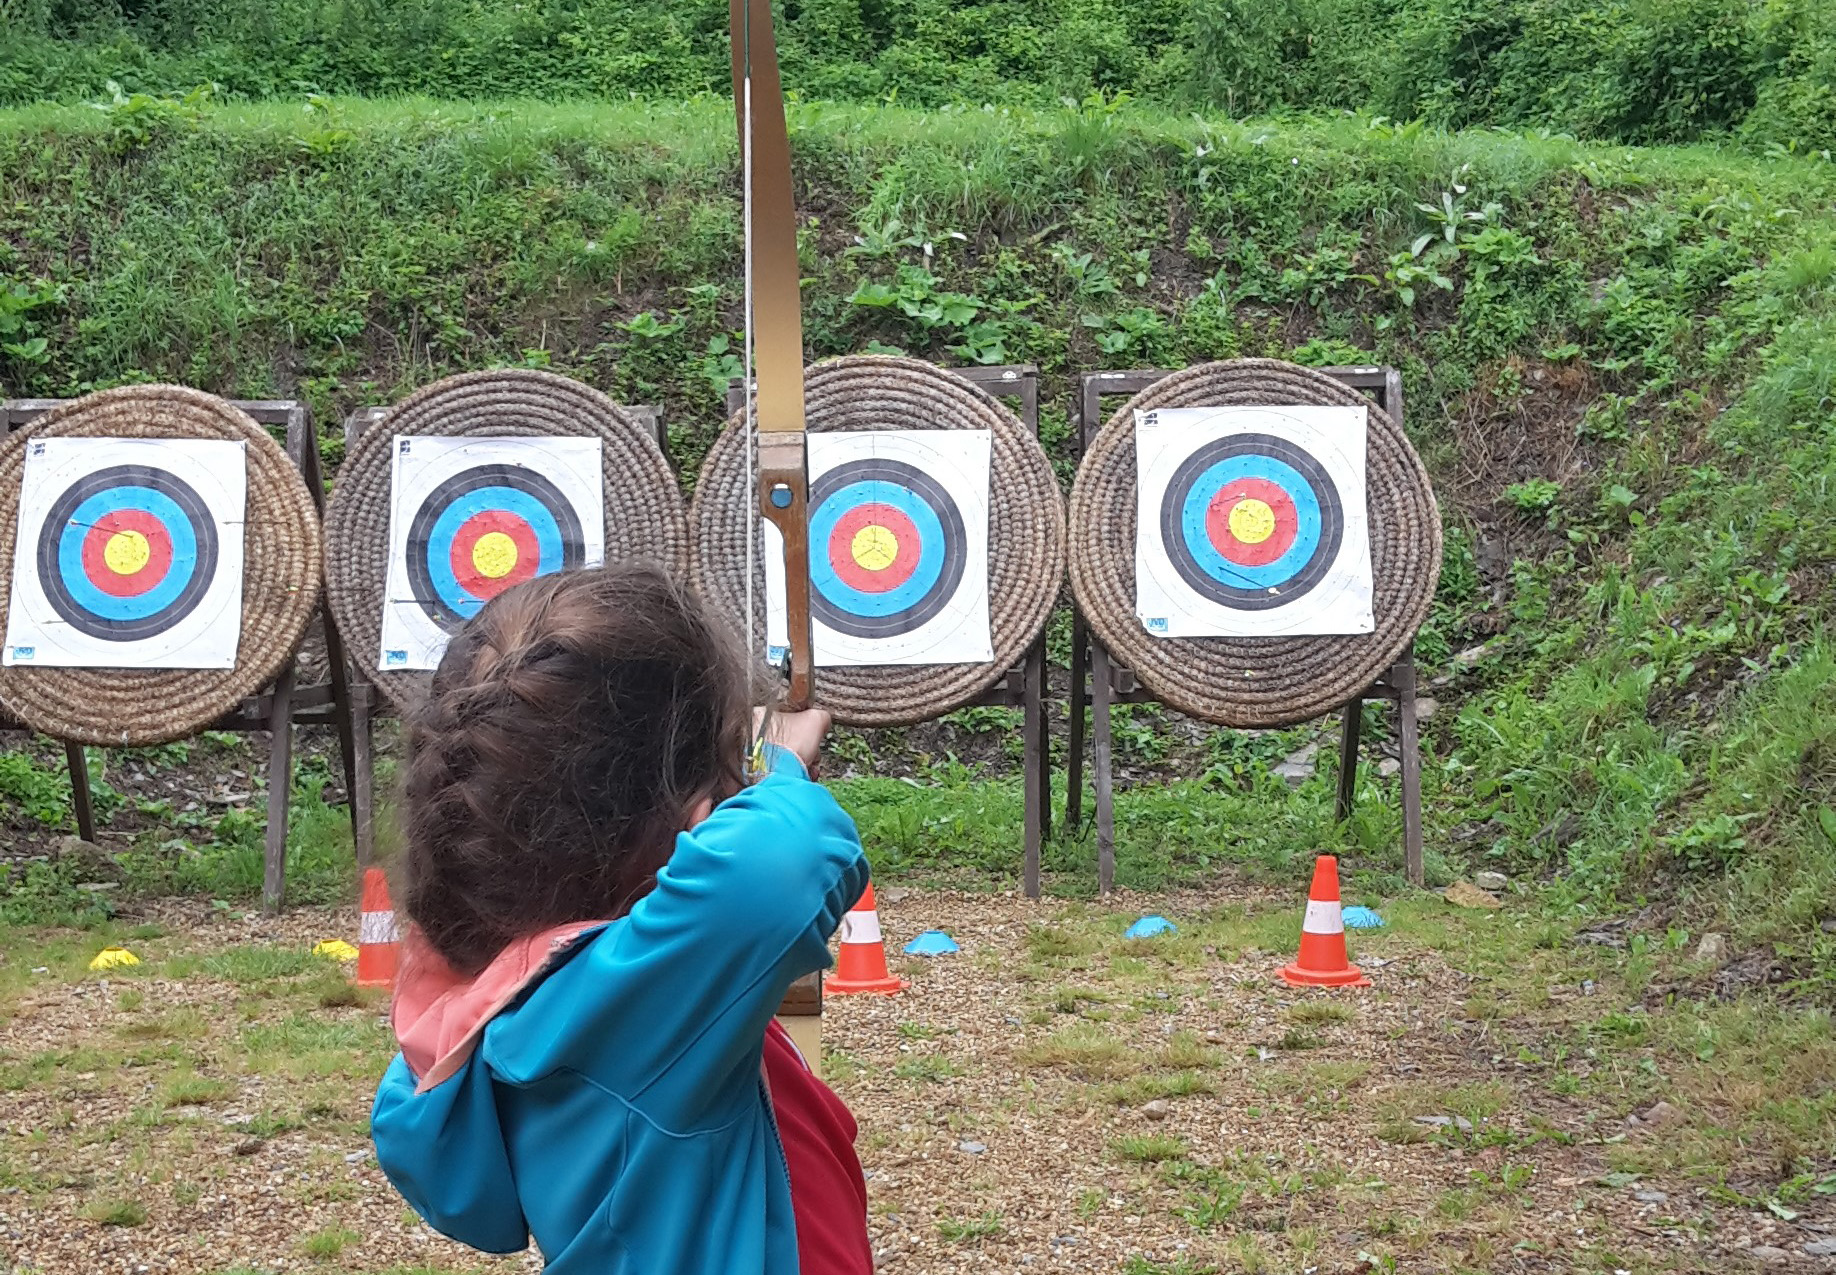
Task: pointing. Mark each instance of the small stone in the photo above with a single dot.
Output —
(1464, 894)
(1442, 1122)
(1767, 1253)
(1426, 708)
(1588, 986)
(249, 1146)
(973, 1148)
(89, 860)
(895, 894)
(1658, 1113)
(1470, 656)
(356, 1157)
(99, 887)
(1651, 1197)
(1388, 767)
(1713, 948)
(1298, 767)
(1820, 1248)
(1157, 1109)
(1493, 881)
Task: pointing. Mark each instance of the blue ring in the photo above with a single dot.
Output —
(924, 577)
(446, 527)
(139, 606)
(1198, 539)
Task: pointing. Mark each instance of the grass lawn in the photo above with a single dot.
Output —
(206, 1110)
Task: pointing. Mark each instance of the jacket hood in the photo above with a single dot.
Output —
(435, 1122)
(438, 1014)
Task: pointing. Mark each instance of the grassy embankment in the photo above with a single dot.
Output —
(1619, 367)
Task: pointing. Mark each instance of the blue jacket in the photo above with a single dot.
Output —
(612, 1103)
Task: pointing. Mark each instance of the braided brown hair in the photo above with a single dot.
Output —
(573, 724)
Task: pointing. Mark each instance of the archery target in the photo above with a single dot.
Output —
(898, 550)
(1252, 522)
(129, 554)
(471, 517)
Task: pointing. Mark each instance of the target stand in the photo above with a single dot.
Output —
(367, 704)
(1099, 680)
(1022, 686)
(284, 703)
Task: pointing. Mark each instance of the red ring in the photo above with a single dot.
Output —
(476, 528)
(1224, 540)
(159, 553)
(894, 573)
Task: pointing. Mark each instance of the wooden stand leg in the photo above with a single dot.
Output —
(1402, 676)
(280, 790)
(1101, 689)
(363, 775)
(1074, 748)
(1348, 759)
(1038, 766)
(79, 790)
(347, 727)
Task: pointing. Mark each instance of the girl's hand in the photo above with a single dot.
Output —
(802, 733)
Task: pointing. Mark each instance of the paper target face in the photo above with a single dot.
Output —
(129, 554)
(1252, 522)
(898, 550)
(472, 517)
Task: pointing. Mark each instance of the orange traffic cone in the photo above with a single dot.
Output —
(1323, 961)
(862, 967)
(376, 932)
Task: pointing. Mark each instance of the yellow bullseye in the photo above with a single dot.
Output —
(494, 555)
(874, 547)
(126, 552)
(1252, 521)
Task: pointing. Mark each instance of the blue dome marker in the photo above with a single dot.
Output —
(1150, 926)
(932, 943)
(1357, 918)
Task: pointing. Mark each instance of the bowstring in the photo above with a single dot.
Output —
(750, 515)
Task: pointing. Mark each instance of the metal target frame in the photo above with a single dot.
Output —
(278, 708)
(1099, 682)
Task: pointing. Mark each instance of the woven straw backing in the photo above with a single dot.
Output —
(1248, 682)
(1026, 530)
(645, 518)
(280, 577)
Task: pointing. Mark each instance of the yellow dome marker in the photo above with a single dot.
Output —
(494, 555)
(110, 958)
(1252, 521)
(336, 949)
(126, 552)
(874, 547)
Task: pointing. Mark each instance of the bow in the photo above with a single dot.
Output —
(774, 325)
(774, 403)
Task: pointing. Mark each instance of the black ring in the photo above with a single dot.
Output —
(464, 483)
(1325, 495)
(203, 531)
(930, 491)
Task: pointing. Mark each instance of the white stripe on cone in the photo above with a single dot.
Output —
(861, 927)
(376, 927)
(1323, 917)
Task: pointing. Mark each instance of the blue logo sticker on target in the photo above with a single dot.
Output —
(394, 659)
(1157, 624)
(24, 653)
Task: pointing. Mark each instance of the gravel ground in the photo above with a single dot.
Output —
(1054, 1098)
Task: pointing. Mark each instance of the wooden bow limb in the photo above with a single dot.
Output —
(774, 329)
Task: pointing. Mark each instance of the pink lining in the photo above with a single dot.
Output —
(439, 1014)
